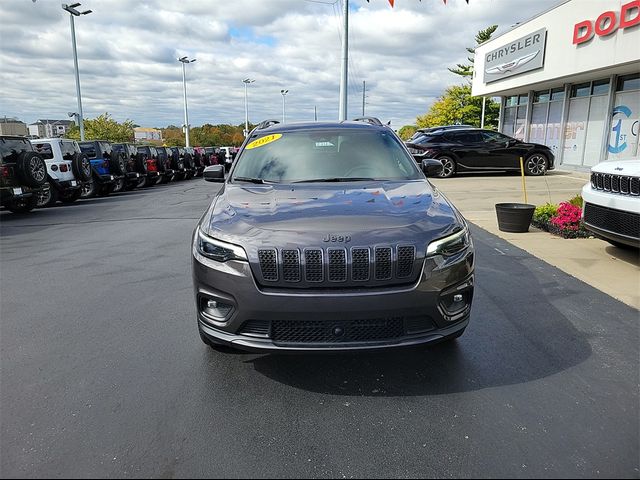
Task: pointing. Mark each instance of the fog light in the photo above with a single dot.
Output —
(217, 309)
(457, 298)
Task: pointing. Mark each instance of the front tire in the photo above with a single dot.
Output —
(46, 196)
(70, 196)
(89, 189)
(448, 166)
(536, 165)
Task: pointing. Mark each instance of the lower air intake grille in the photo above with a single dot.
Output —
(345, 331)
(255, 328)
(616, 221)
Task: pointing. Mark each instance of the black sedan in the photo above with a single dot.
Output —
(475, 149)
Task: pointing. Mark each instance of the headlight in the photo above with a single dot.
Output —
(450, 245)
(217, 250)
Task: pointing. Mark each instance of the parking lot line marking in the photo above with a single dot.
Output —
(499, 251)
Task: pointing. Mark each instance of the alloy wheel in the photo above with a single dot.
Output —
(448, 167)
(43, 196)
(38, 169)
(537, 164)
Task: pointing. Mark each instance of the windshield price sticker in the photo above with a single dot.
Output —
(263, 141)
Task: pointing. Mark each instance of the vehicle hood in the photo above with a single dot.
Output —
(629, 168)
(302, 215)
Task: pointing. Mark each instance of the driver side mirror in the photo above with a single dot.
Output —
(511, 142)
(213, 173)
(431, 167)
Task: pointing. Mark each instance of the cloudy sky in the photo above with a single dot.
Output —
(127, 54)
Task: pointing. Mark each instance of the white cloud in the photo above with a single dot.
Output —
(127, 55)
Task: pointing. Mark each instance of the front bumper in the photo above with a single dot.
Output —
(134, 177)
(267, 319)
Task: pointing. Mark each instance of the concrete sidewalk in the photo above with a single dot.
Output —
(612, 270)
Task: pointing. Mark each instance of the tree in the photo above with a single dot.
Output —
(407, 131)
(456, 106)
(104, 128)
(466, 70)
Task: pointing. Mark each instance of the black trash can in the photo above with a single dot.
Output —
(514, 217)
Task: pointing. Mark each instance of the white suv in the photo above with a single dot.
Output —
(67, 169)
(612, 202)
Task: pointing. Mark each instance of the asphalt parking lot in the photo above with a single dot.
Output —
(103, 373)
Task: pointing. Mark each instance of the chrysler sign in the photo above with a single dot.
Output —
(522, 55)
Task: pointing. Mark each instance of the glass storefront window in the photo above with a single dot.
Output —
(601, 87)
(628, 82)
(557, 94)
(581, 90)
(511, 101)
(541, 97)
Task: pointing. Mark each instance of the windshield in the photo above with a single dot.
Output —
(330, 155)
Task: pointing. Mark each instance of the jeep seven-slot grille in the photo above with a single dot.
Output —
(621, 184)
(324, 267)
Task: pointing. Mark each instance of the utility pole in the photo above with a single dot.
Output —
(364, 89)
(345, 60)
(484, 101)
(315, 113)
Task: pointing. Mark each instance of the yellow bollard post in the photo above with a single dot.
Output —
(524, 185)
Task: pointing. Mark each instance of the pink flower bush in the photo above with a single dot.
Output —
(568, 217)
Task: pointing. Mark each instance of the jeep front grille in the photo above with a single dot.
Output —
(335, 267)
(620, 184)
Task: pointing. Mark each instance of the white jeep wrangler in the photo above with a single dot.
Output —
(67, 169)
(612, 202)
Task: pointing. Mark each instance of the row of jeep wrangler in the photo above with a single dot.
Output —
(41, 172)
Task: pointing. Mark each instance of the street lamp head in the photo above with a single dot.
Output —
(284, 92)
(193, 60)
(72, 9)
(248, 80)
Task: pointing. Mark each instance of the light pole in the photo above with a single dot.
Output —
(75, 13)
(284, 93)
(246, 82)
(184, 61)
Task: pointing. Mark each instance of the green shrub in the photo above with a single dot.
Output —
(542, 214)
(576, 201)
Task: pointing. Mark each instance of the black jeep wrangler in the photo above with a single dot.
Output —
(22, 174)
(136, 165)
(178, 163)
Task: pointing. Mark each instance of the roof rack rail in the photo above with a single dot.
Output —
(266, 123)
(371, 120)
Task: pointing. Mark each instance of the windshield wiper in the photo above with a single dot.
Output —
(261, 181)
(338, 179)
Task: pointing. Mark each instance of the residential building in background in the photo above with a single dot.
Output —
(151, 135)
(13, 126)
(50, 128)
(569, 78)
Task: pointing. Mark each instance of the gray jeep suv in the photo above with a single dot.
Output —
(328, 236)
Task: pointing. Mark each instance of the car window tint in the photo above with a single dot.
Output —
(89, 150)
(106, 149)
(68, 149)
(493, 137)
(464, 137)
(44, 149)
(299, 156)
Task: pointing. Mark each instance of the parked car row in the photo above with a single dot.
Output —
(41, 172)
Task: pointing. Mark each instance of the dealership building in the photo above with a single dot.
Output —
(569, 78)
